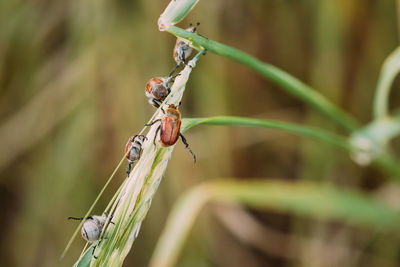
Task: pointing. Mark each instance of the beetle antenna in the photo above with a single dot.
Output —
(195, 28)
(79, 218)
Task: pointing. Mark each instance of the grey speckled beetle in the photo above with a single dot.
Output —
(133, 149)
(182, 49)
(92, 226)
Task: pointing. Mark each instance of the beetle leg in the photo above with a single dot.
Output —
(155, 136)
(111, 216)
(183, 57)
(187, 146)
(153, 122)
(94, 248)
(128, 171)
(155, 103)
(172, 78)
(162, 109)
(145, 137)
(174, 69)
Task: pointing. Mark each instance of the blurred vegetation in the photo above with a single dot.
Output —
(72, 77)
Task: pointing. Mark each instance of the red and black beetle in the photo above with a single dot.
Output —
(170, 128)
(157, 89)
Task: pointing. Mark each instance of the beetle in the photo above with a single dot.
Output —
(133, 149)
(182, 49)
(92, 227)
(170, 129)
(157, 89)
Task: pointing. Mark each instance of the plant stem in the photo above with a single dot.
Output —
(389, 71)
(279, 77)
(385, 161)
(306, 131)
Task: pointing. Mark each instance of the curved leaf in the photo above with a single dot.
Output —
(306, 131)
(302, 198)
(277, 76)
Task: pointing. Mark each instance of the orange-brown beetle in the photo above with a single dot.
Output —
(170, 128)
(133, 149)
(182, 49)
(157, 89)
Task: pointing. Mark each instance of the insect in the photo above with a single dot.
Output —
(133, 149)
(157, 89)
(92, 227)
(170, 128)
(182, 49)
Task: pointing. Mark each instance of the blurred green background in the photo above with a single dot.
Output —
(72, 80)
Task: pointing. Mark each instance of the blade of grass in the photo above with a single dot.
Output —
(383, 160)
(390, 69)
(276, 75)
(305, 131)
(303, 198)
(86, 259)
(370, 144)
(175, 12)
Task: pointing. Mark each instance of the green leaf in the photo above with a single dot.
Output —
(310, 132)
(370, 144)
(175, 12)
(390, 69)
(86, 259)
(312, 199)
(303, 198)
(376, 135)
(278, 76)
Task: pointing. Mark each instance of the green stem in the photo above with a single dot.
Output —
(310, 132)
(385, 162)
(279, 77)
(389, 71)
